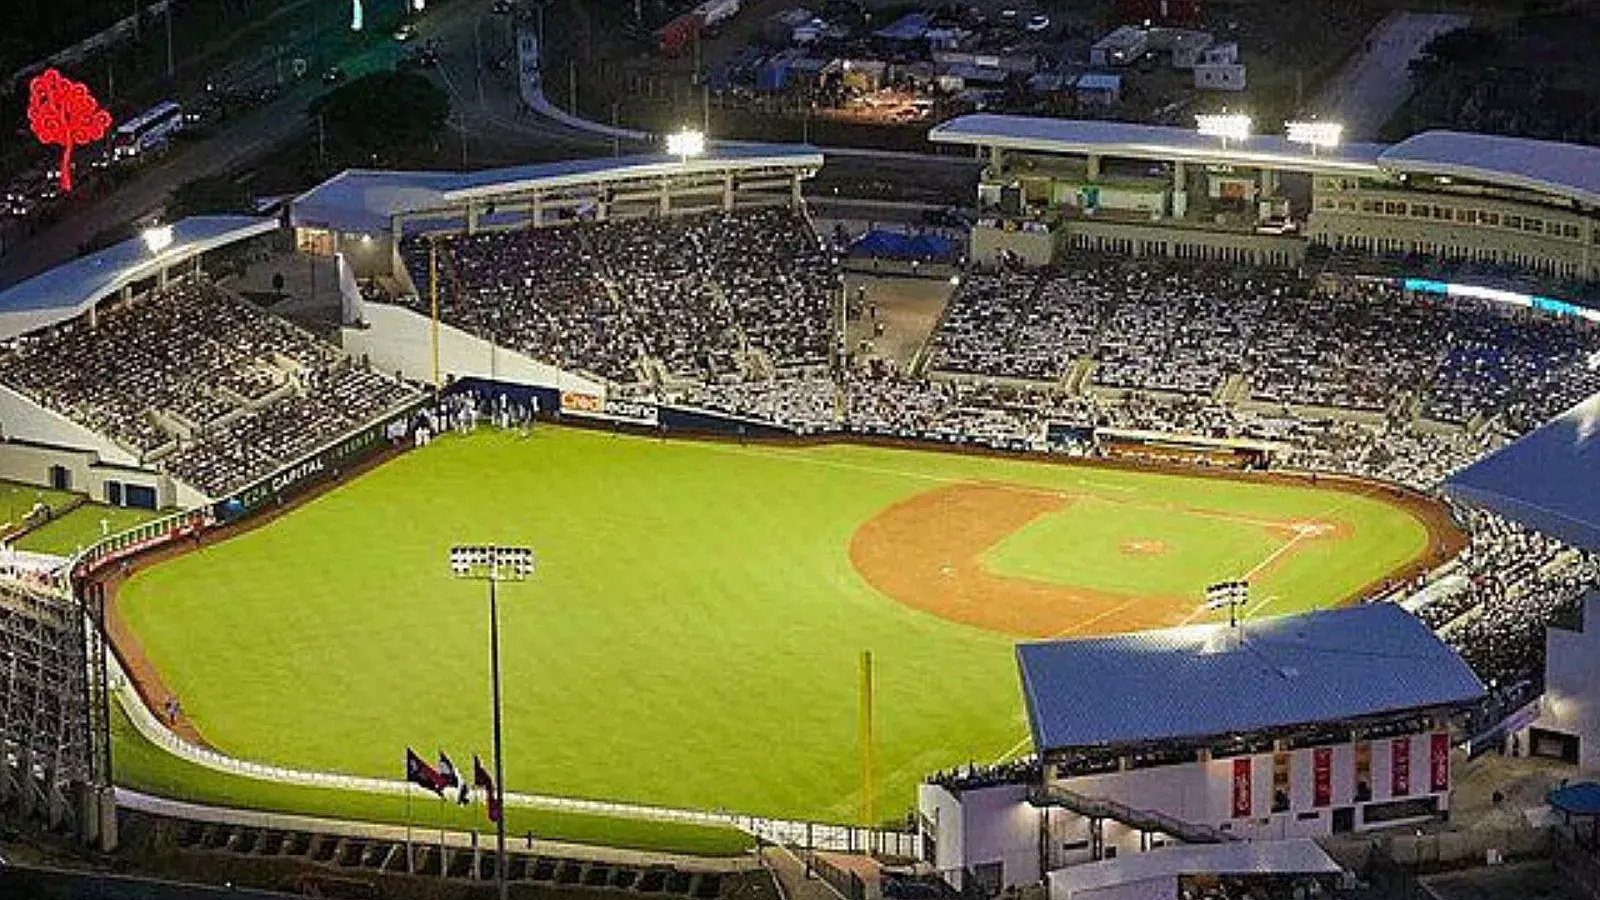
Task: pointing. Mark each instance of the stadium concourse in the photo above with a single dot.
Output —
(703, 286)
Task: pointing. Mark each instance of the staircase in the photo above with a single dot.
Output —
(1142, 819)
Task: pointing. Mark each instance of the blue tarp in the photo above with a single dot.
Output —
(894, 245)
(1548, 481)
(1577, 799)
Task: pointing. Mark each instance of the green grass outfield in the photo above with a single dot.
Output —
(65, 535)
(691, 636)
(143, 766)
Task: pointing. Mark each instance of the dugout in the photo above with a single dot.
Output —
(1232, 453)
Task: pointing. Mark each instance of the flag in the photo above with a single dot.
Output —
(464, 794)
(423, 775)
(448, 776)
(481, 780)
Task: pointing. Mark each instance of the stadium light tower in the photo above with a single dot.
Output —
(1227, 126)
(1316, 134)
(494, 564)
(686, 143)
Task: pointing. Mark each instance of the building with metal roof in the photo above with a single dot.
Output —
(76, 287)
(365, 214)
(1290, 727)
(1563, 170)
(1159, 143)
(360, 201)
(1492, 208)
(1202, 682)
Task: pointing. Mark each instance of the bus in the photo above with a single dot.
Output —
(147, 131)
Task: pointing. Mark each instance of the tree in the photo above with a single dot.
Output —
(209, 197)
(63, 113)
(374, 118)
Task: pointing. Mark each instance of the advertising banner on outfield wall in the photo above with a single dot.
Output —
(323, 464)
(590, 406)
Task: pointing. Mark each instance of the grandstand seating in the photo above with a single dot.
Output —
(200, 384)
(696, 295)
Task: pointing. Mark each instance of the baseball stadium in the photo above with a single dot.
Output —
(773, 520)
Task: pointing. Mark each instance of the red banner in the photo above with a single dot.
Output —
(1241, 788)
(1400, 766)
(1322, 776)
(1439, 762)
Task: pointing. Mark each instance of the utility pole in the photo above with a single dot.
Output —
(171, 68)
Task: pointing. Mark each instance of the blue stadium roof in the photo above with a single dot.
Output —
(1548, 481)
(71, 289)
(1198, 681)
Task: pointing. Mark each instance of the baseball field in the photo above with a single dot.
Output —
(692, 633)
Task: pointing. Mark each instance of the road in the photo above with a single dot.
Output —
(248, 138)
(1377, 82)
(488, 114)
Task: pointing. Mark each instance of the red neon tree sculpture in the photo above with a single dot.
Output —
(63, 113)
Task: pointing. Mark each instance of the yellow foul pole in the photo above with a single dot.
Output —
(867, 818)
(433, 304)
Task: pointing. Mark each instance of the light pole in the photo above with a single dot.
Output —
(494, 564)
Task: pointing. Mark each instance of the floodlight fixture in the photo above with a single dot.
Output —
(1227, 126)
(157, 238)
(419, 5)
(489, 562)
(358, 15)
(1316, 134)
(686, 143)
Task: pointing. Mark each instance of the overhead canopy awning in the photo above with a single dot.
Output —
(1293, 857)
(1548, 481)
(70, 290)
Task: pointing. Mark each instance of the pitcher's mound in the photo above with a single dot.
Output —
(1143, 548)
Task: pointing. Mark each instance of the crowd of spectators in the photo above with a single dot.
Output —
(707, 298)
(1513, 584)
(1157, 327)
(199, 383)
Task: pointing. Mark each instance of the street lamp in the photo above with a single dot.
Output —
(157, 238)
(494, 564)
(1227, 126)
(686, 143)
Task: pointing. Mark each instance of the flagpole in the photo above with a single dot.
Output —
(410, 860)
(442, 873)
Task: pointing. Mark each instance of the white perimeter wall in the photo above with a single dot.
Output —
(23, 419)
(31, 464)
(982, 827)
(1571, 702)
(399, 340)
(998, 824)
